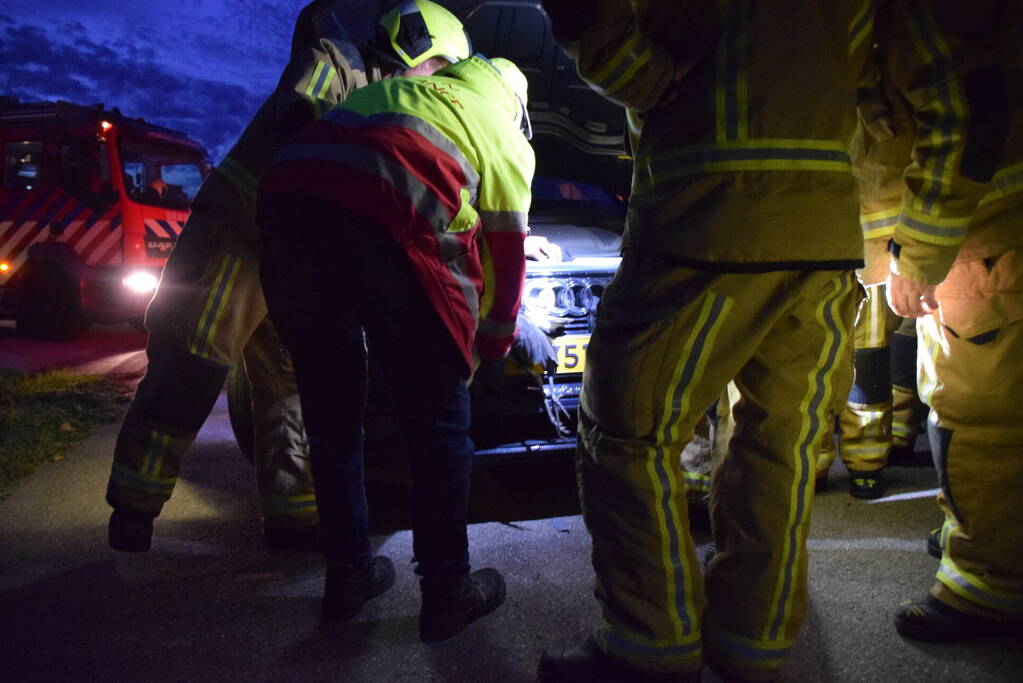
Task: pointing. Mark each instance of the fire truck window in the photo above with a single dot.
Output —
(187, 177)
(23, 165)
(84, 170)
(161, 175)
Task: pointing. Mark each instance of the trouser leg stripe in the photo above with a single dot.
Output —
(974, 590)
(687, 373)
(813, 408)
(154, 454)
(214, 309)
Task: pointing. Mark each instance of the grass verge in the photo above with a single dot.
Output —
(44, 414)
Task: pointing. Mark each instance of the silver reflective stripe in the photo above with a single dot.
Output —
(504, 221)
(379, 165)
(351, 119)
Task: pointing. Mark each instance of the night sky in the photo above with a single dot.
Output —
(200, 66)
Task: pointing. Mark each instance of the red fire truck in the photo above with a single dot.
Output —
(91, 202)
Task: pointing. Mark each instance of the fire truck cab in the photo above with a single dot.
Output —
(91, 203)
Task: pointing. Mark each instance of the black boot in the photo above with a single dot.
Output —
(582, 661)
(346, 587)
(130, 531)
(866, 485)
(932, 620)
(452, 603)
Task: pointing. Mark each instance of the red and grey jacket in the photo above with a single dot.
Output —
(439, 163)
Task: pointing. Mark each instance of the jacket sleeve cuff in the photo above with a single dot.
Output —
(919, 261)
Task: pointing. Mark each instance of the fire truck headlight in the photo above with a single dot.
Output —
(141, 282)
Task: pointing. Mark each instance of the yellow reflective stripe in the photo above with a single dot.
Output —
(766, 154)
(864, 449)
(879, 223)
(949, 112)
(627, 644)
(213, 311)
(765, 654)
(618, 57)
(932, 229)
(861, 26)
(677, 399)
(242, 178)
(696, 481)
(281, 505)
(812, 408)
(327, 82)
(636, 65)
(927, 375)
(155, 450)
(314, 80)
(1007, 181)
(876, 304)
(125, 477)
(972, 588)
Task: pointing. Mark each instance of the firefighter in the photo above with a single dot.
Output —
(402, 213)
(738, 263)
(865, 422)
(957, 268)
(209, 308)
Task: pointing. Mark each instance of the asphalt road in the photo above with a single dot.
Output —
(209, 602)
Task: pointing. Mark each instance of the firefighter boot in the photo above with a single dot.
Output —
(866, 484)
(582, 661)
(347, 587)
(130, 531)
(453, 602)
(933, 621)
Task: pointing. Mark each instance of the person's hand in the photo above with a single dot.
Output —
(539, 248)
(909, 298)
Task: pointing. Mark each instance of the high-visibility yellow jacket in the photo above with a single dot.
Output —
(960, 67)
(746, 169)
(439, 163)
(321, 74)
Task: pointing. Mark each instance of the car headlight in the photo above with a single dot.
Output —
(141, 282)
(561, 297)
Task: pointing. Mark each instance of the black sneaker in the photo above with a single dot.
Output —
(129, 531)
(452, 603)
(934, 543)
(866, 484)
(346, 588)
(582, 661)
(934, 621)
(302, 538)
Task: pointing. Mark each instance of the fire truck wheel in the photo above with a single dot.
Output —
(239, 408)
(48, 306)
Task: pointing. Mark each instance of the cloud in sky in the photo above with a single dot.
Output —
(200, 66)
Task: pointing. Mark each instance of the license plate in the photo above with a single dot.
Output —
(571, 353)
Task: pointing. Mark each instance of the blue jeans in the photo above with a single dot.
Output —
(329, 278)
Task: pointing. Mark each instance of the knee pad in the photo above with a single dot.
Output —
(872, 381)
(903, 361)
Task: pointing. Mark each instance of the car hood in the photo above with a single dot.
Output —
(577, 134)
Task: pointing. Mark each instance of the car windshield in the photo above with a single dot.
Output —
(160, 175)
